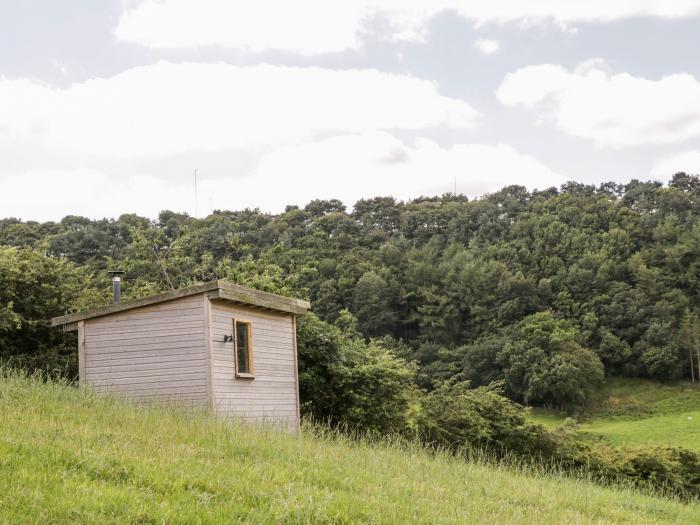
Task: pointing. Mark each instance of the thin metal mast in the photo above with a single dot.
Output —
(196, 211)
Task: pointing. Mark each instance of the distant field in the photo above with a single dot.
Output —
(638, 412)
(67, 456)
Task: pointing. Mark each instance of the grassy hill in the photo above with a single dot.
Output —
(67, 456)
(640, 412)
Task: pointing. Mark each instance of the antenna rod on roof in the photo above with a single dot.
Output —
(196, 211)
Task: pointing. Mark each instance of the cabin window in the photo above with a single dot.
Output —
(243, 348)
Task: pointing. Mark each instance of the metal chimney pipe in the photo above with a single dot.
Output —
(117, 284)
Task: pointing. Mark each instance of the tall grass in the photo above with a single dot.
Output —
(70, 456)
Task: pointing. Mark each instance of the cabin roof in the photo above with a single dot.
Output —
(220, 289)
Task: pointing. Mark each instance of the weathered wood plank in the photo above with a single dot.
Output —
(208, 351)
(138, 315)
(154, 348)
(137, 370)
(150, 356)
(219, 290)
(136, 303)
(156, 356)
(171, 334)
(132, 365)
(262, 400)
(268, 351)
(140, 325)
(164, 387)
(133, 380)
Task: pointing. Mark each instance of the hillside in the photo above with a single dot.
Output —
(459, 286)
(68, 456)
(640, 412)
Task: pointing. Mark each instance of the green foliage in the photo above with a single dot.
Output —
(542, 292)
(34, 288)
(447, 278)
(351, 383)
(371, 303)
(456, 415)
(541, 361)
(672, 469)
(261, 275)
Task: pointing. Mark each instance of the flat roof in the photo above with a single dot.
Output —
(220, 289)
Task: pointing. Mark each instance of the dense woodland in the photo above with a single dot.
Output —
(428, 314)
(461, 287)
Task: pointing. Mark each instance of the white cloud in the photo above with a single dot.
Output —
(487, 46)
(611, 109)
(348, 167)
(321, 26)
(687, 161)
(165, 109)
(53, 194)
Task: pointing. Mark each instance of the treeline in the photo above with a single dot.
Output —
(535, 288)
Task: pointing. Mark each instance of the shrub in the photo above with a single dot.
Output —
(459, 417)
(465, 419)
(671, 471)
(351, 383)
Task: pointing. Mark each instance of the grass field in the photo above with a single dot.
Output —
(639, 412)
(67, 456)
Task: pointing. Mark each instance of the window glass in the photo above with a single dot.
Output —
(243, 348)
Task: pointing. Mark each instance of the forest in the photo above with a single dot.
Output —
(426, 313)
(471, 288)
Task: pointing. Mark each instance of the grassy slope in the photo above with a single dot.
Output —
(67, 456)
(637, 412)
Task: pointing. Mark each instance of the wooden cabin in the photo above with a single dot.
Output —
(214, 345)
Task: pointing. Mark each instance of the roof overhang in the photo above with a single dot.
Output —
(215, 290)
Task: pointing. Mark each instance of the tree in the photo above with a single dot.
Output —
(372, 305)
(544, 362)
(33, 289)
(690, 327)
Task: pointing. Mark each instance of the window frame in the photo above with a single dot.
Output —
(250, 374)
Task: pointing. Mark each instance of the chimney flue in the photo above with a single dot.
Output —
(116, 285)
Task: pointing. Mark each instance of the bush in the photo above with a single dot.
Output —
(456, 416)
(351, 383)
(670, 471)
(464, 419)
(673, 470)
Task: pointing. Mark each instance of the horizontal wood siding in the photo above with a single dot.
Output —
(153, 354)
(271, 395)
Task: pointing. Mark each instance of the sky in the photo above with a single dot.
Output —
(111, 107)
